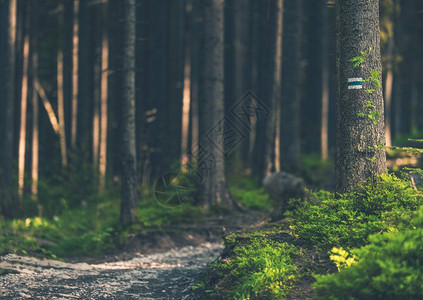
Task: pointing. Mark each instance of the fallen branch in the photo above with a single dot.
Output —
(48, 107)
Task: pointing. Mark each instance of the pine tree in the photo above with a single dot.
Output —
(360, 122)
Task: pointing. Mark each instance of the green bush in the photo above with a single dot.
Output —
(349, 219)
(262, 269)
(390, 267)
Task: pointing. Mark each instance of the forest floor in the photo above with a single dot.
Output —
(160, 264)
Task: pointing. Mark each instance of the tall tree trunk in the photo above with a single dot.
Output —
(216, 192)
(273, 94)
(397, 91)
(242, 81)
(60, 90)
(75, 65)
(24, 105)
(35, 111)
(96, 108)
(360, 123)
(389, 82)
(104, 99)
(187, 83)
(6, 202)
(175, 73)
(263, 158)
(159, 84)
(128, 212)
(291, 87)
(84, 74)
(259, 77)
(324, 121)
(142, 79)
(197, 55)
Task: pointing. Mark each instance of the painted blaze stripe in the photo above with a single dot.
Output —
(355, 83)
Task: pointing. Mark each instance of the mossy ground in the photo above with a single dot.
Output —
(304, 240)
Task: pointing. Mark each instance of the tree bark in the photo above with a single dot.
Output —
(360, 123)
(75, 58)
(102, 166)
(24, 105)
(216, 192)
(186, 106)
(96, 109)
(197, 58)
(35, 111)
(291, 88)
(325, 82)
(6, 203)
(175, 75)
(274, 89)
(128, 213)
(60, 90)
(159, 83)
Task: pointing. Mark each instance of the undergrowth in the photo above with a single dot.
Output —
(64, 223)
(378, 218)
(389, 267)
(348, 220)
(262, 269)
(88, 230)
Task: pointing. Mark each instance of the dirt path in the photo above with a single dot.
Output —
(168, 275)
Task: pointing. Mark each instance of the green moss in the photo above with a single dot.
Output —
(261, 269)
(380, 210)
(348, 220)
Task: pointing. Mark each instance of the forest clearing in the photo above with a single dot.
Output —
(211, 149)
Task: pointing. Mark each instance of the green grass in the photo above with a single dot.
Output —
(89, 230)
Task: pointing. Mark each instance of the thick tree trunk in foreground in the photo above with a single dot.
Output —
(128, 213)
(216, 191)
(360, 124)
(6, 204)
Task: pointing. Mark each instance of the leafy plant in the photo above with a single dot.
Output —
(342, 258)
(369, 111)
(374, 78)
(390, 267)
(359, 60)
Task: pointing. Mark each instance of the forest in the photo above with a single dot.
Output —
(211, 149)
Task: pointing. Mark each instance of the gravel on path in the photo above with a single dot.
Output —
(168, 275)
